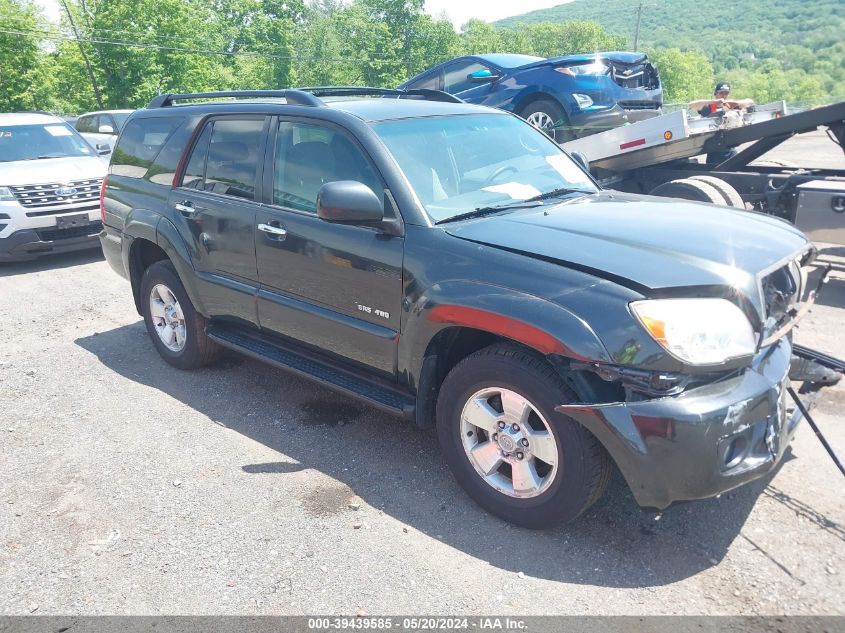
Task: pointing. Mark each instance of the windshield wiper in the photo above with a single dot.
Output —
(482, 211)
(554, 193)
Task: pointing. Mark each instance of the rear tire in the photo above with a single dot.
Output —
(548, 116)
(175, 327)
(539, 470)
(689, 189)
(729, 194)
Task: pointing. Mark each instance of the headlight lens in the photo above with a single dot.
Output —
(697, 331)
(6, 194)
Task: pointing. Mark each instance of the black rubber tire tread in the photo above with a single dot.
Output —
(560, 134)
(575, 489)
(689, 189)
(729, 194)
(199, 350)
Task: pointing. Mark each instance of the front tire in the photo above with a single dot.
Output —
(548, 116)
(506, 445)
(175, 327)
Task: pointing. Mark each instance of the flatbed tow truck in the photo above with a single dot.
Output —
(661, 156)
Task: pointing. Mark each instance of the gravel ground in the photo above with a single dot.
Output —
(130, 487)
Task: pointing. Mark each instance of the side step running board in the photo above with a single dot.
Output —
(371, 392)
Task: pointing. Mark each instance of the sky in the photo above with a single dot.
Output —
(459, 11)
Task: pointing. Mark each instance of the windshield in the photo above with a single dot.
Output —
(33, 142)
(120, 119)
(459, 163)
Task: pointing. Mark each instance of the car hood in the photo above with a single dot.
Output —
(619, 57)
(646, 243)
(51, 170)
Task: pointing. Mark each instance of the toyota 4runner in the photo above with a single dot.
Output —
(451, 264)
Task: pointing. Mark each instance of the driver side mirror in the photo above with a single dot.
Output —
(482, 76)
(579, 158)
(103, 149)
(348, 202)
(106, 129)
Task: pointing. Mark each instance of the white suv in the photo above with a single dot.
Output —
(102, 126)
(50, 180)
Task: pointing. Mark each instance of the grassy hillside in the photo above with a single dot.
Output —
(763, 36)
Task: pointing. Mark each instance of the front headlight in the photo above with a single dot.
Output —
(697, 331)
(6, 194)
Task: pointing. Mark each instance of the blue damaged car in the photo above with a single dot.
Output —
(568, 96)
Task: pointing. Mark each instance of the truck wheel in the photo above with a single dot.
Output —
(548, 116)
(729, 194)
(689, 189)
(175, 327)
(507, 446)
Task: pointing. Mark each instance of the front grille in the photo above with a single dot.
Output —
(46, 196)
(52, 235)
(3, 226)
(56, 211)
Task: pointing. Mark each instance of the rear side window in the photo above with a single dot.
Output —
(195, 170)
(225, 158)
(431, 82)
(139, 144)
(85, 124)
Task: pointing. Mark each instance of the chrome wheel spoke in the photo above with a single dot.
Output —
(517, 409)
(165, 295)
(168, 334)
(179, 335)
(480, 414)
(525, 477)
(157, 308)
(487, 457)
(543, 447)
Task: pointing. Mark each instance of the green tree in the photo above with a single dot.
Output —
(549, 39)
(24, 77)
(686, 75)
(480, 37)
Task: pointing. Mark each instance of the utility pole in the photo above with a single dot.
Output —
(90, 70)
(637, 31)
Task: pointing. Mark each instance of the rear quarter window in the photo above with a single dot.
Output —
(139, 144)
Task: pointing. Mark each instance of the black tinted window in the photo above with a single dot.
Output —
(432, 82)
(85, 124)
(163, 168)
(195, 170)
(233, 155)
(308, 156)
(139, 144)
(455, 79)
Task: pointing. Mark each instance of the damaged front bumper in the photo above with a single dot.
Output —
(703, 442)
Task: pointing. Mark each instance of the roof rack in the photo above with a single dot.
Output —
(293, 97)
(354, 91)
(308, 96)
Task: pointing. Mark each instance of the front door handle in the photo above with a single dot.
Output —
(186, 208)
(275, 231)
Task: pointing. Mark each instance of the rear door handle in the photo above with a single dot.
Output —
(275, 231)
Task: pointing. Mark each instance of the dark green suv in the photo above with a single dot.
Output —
(451, 264)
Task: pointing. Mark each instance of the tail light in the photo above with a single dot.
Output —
(103, 200)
